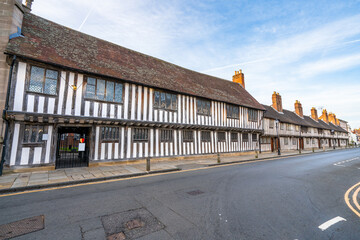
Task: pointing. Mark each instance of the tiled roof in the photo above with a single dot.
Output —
(52, 43)
(290, 117)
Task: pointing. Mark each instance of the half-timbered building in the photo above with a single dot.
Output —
(291, 130)
(76, 99)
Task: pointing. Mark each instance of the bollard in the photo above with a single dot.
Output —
(256, 154)
(148, 164)
(218, 158)
(299, 150)
(313, 149)
(324, 148)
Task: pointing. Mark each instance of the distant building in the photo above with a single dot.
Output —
(290, 130)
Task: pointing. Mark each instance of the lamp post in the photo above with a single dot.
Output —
(277, 133)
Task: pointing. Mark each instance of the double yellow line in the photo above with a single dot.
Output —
(352, 202)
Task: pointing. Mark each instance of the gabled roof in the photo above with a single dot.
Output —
(52, 43)
(290, 117)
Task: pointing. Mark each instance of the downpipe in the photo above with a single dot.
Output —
(4, 116)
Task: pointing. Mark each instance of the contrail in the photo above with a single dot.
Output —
(234, 65)
(82, 24)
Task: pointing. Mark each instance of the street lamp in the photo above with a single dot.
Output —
(277, 133)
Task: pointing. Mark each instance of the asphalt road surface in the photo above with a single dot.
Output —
(291, 198)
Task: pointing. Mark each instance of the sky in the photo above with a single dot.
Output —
(305, 50)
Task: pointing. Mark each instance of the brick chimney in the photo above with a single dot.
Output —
(277, 102)
(314, 114)
(239, 78)
(28, 4)
(298, 109)
(324, 116)
(333, 119)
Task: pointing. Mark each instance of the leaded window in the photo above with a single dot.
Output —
(234, 137)
(166, 135)
(205, 136)
(254, 137)
(271, 123)
(141, 135)
(164, 100)
(245, 137)
(43, 80)
(232, 111)
(203, 107)
(33, 134)
(286, 141)
(282, 126)
(104, 90)
(307, 141)
(294, 141)
(188, 136)
(288, 127)
(110, 133)
(221, 137)
(252, 115)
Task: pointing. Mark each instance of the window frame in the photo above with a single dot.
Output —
(95, 98)
(186, 134)
(253, 115)
(232, 111)
(166, 135)
(254, 139)
(146, 130)
(232, 139)
(271, 123)
(245, 139)
(106, 130)
(221, 136)
(43, 80)
(204, 137)
(173, 107)
(199, 110)
(38, 141)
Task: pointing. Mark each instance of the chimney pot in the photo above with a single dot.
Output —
(314, 114)
(298, 108)
(239, 78)
(277, 102)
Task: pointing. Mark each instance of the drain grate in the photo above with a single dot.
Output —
(135, 223)
(117, 236)
(195, 192)
(22, 227)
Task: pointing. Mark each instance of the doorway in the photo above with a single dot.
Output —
(72, 147)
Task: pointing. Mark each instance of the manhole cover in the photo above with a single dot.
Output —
(21, 227)
(195, 192)
(133, 224)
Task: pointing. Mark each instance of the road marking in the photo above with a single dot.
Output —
(347, 201)
(144, 176)
(331, 222)
(345, 161)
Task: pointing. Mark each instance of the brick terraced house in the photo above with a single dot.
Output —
(294, 130)
(75, 99)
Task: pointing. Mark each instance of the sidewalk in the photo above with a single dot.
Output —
(11, 182)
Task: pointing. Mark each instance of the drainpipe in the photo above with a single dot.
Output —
(2, 161)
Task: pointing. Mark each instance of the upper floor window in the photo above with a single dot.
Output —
(141, 135)
(205, 136)
(203, 107)
(282, 126)
(110, 133)
(252, 115)
(188, 136)
(271, 123)
(43, 80)
(104, 90)
(304, 129)
(232, 111)
(234, 137)
(33, 134)
(164, 100)
(297, 128)
(288, 127)
(221, 136)
(286, 141)
(166, 135)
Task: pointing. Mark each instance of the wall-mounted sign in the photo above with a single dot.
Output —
(82, 140)
(81, 147)
(45, 137)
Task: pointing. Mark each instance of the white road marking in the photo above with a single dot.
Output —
(331, 222)
(345, 161)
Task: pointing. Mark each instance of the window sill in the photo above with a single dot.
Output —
(164, 109)
(102, 101)
(41, 94)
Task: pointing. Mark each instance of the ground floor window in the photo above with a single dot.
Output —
(294, 141)
(286, 141)
(307, 141)
(141, 135)
(205, 136)
(110, 133)
(234, 137)
(188, 136)
(245, 137)
(33, 134)
(166, 135)
(221, 136)
(254, 137)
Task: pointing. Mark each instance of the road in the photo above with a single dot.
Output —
(285, 198)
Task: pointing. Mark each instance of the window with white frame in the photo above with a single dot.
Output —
(43, 80)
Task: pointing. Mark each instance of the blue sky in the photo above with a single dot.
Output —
(305, 50)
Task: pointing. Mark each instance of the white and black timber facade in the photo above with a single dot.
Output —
(72, 94)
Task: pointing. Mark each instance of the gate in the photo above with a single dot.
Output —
(72, 148)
